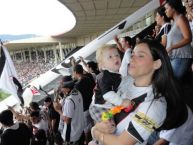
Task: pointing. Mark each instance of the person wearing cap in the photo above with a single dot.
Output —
(71, 113)
(14, 133)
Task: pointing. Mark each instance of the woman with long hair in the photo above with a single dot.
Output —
(179, 38)
(164, 22)
(152, 88)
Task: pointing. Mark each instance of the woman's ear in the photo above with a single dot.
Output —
(157, 64)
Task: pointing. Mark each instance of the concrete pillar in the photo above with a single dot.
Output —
(55, 56)
(13, 56)
(61, 52)
(37, 57)
(24, 57)
(21, 53)
(45, 56)
(30, 59)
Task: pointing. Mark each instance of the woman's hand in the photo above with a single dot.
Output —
(106, 126)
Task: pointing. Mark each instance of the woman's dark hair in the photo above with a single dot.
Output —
(6, 118)
(162, 13)
(165, 84)
(177, 5)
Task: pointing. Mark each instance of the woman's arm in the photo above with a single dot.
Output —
(119, 46)
(146, 119)
(164, 40)
(84, 63)
(161, 142)
(109, 139)
(103, 133)
(184, 27)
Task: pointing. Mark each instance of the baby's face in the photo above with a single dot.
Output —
(111, 60)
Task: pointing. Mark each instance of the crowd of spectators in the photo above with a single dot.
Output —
(27, 71)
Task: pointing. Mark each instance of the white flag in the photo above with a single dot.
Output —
(8, 76)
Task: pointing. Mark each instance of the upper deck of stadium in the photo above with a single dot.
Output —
(92, 18)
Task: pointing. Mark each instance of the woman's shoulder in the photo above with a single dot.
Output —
(182, 20)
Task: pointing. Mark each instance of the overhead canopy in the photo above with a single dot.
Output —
(95, 16)
(35, 42)
(92, 17)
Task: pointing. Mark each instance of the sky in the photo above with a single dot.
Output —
(39, 17)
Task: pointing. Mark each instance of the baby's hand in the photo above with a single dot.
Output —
(126, 103)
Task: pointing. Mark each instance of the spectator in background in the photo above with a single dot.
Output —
(189, 15)
(91, 67)
(71, 113)
(179, 38)
(189, 7)
(137, 39)
(153, 33)
(85, 86)
(124, 45)
(157, 29)
(37, 122)
(164, 22)
(14, 133)
(54, 118)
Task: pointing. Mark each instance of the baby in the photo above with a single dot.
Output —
(107, 82)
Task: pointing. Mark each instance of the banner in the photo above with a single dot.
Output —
(8, 76)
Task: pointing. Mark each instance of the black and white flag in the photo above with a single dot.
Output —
(8, 75)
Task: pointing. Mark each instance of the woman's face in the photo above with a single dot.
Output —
(142, 64)
(159, 19)
(169, 10)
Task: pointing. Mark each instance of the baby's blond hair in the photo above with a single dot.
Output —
(100, 51)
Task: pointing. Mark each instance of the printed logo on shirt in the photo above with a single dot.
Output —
(145, 121)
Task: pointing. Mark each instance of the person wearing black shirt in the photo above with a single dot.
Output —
(85, 85)
(14, 133)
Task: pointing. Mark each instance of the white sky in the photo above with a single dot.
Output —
(39, 17)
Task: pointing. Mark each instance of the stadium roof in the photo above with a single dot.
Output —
(92, 16)
(95, 16)
(35, 42)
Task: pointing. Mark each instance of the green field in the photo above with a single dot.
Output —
(3, 95)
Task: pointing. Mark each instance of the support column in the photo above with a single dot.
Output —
(55, 56)
(24, 57)
(21, 52)
(13, 56)
(30, 60)
(45, 56)
(61, 52)
(37, 57)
